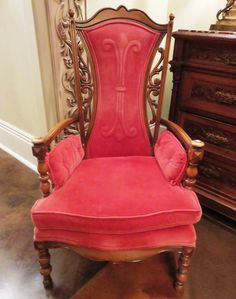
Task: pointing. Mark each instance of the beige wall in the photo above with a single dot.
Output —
(156, 9)
(44, 45)
(195, 14)
(21, 96)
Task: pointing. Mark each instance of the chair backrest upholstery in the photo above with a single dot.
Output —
(121, 45)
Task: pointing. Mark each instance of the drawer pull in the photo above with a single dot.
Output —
(224, 97)
(216, 139)
(210, 172)
(210, 134)
(231, 61)
(214, 94)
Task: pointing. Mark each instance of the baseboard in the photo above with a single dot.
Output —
(17, 143)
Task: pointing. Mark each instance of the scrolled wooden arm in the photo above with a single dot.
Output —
(54, 132)
(40, 149)
(181, 135)
(194, 149)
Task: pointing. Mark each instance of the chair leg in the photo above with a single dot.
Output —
(183, 267)
(45, 267)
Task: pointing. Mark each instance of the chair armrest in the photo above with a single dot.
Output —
(40, 148)
(181, 135)
(54, 132)
(194, 149)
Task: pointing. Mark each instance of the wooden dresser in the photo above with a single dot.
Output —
(204, 104)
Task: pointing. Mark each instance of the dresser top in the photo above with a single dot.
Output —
(205, 35)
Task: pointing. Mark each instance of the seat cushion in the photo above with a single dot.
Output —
(116, 196)
(171, 156)
(169, 237)
(64, 158)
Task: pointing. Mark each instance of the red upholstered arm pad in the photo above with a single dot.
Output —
(171, 157)
(63, 159)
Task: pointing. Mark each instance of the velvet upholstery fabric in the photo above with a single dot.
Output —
(120, 51)
(63, 159)
(117, 196)
(171, 157)
(175, 236)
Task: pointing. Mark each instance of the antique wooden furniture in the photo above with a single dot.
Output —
(204, 104)
(116, 193)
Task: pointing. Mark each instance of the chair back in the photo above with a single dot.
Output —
(121, 45)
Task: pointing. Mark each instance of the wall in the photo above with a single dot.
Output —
(44, 44)
(194, 14)
(21, 90)
(22, 111)
(156, 9)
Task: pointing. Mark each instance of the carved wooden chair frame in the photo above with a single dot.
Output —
(42, 145)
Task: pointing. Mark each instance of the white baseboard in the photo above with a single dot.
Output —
(17, 143)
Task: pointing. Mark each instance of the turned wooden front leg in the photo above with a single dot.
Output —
(195, 155)
(45, 267)
(40, 151)
(183, 268)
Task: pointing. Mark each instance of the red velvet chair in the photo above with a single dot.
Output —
(119, 192)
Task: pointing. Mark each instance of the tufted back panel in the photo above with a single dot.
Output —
(121, 51)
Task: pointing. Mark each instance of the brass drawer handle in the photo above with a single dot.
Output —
(231, 61)
(224, 97)
(210, 172)
(214, 94)
(216, 139)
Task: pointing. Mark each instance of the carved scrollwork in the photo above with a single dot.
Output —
(211, 135)
(153, 86)
(118, 128)
(67, 78)
(219, 174)
(226, 56)
(232, 181)
(217, 138)
(211, 172)
(214, 94)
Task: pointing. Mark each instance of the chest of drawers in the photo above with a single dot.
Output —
(204, 104)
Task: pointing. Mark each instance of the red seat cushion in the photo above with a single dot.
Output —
(116, 196)
(64, 158)
(171, 157)
(169, 237)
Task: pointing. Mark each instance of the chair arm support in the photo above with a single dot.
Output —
(181, 135)
(54, 132)
(194, 149)
(40, 149)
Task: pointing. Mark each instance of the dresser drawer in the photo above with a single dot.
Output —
(220, 138)
(203, 102)
(218, 176)
(209, 95)
(212, 54)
